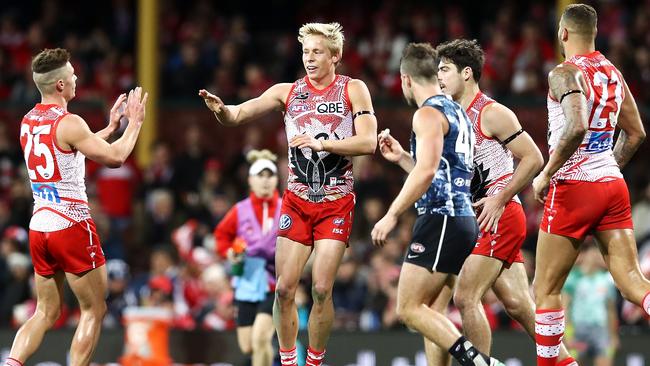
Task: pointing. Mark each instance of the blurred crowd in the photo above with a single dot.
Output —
(156, 221)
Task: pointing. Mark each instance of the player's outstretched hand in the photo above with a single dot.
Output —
(382, 228)
(540, 186)
(117, 112)
(135, 106)
(213, 102)
(390, 148)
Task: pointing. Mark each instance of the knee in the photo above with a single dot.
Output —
(404, 312)
(320, 292)
(246, 349)
(516, 308)
(50, 315)
(285, 292)
(465, 300)
(260, 341)
(540, 291)
(627, 292)
(97, 311)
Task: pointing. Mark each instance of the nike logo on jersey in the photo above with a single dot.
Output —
(411, 256)
(41, 129)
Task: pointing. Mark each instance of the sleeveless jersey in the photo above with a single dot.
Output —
(56, 175)
(449, 193)
(493, 163)
(324, 114)
(594, 160)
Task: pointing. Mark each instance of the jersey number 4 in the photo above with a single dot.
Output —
(465, 140)
(38, 156)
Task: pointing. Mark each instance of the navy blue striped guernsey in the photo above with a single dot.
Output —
(449, 193)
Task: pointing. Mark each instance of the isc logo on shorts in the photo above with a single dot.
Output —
(330, 108)
(285, 222)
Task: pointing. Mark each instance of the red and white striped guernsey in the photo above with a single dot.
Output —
(493, 163)
(324, 114)
(56, 175)
(594, 160)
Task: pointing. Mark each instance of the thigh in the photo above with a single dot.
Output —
(263, 327)
(290, 259)
(419, 286)
(512, 287)
(477, 276)
(327, 258)
(441, 302)
(620, 253)
(49, 292)
(89, 287)
(618, 247)
(244, 337)
(296, 223)
(555, 256)
(334, 219)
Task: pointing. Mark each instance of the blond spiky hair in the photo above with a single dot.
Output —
(333, 32)
(255, 155)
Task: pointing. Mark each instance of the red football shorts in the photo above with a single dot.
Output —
(306, 222)
(505, 243)
(73, 250)
(576, 208)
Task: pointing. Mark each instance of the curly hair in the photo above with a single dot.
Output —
(463, 53)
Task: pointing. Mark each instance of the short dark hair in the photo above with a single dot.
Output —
(463, 53)
(583, 17)
(420, 61)
(50, 59)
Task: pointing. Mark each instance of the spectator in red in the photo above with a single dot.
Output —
(247, 237)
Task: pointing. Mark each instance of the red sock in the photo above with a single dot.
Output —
(646, 303)
(12, 362)
(314, 358)
(289, 357)
(569, 361)
(549, 330)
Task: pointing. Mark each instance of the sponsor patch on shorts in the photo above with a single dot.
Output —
(285, 222)
(417, 248)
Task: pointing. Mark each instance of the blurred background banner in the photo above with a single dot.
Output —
(390, 348)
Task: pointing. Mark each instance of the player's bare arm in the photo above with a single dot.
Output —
(113, 119)
(632, 132)
(364, 141)
(73, 132)
(392, 151)
(429, 126)
(272, 99)
(568, 86)
(501, 123)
